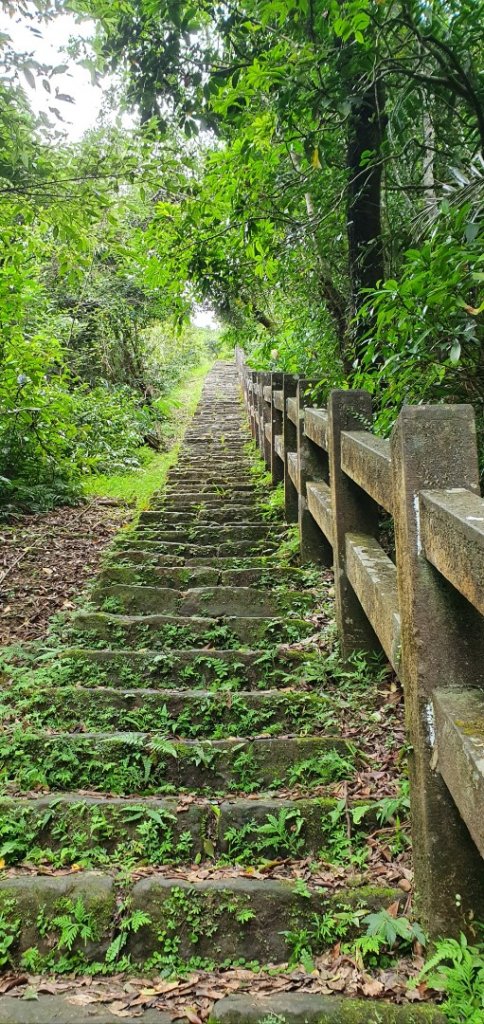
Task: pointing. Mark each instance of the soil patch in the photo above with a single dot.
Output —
(46, 560)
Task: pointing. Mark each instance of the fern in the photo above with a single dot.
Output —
(457, 970)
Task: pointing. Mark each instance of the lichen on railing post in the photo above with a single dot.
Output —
(312, 466)
(353, 512)
(442, 641)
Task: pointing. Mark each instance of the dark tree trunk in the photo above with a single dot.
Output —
(365, 244)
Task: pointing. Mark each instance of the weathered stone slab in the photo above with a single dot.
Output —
(278, 400)
(224, 928)
(316, 426)
(459, 753)
(306, 1008)
(373, 577)
(26, 897)
(452, 524)
(67, 1009)
(320, 507)
(146, 767)
(367, 460)
(291, 406)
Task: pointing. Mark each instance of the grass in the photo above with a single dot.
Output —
(137, 488)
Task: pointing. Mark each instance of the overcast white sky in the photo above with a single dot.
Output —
(88, 98)
(50, 49)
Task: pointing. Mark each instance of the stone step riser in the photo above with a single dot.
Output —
(187, 579)
(229, 919)
(147, 763)
(184, 669)
(124, 827)
(198, 534)
(138, 556)
(236, 549)
(186, 714)
(212, 602)
(202, 518)
(166, 631)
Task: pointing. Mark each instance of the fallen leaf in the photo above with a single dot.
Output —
(372, 987)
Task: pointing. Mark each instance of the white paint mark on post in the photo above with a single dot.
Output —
(430, 722)
(416, 505)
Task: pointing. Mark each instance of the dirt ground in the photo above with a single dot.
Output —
(47, 560)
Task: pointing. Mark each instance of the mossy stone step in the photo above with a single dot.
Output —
(235, 670)
(183, 713)
(70, 828)
(226, 476)
(158, 631)
(235, 548)
(236, 918)
(219, 498)
(145, 763)
(187, 578)
(183, 499)
(201, 516)
(200, 534)
(212, 602)
(225, 921)
(312, 1008)
(139, 556)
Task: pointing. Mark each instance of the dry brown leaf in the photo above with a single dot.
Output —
(191, 1014)
(372, 987)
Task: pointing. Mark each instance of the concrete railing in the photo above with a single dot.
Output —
(424, 606)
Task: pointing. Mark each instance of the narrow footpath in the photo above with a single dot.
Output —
(172, 754)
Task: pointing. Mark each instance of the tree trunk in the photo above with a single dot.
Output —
(365, 244)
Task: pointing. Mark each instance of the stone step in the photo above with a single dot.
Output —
(232, 516)
(65, 1009)
(209, 499)
(185, 669)
(229, 920)
(188, 549)
(167, 631)
(71, 828)
(312, 1008)
(188, 577)
(202, 535)
(212, 602)
(144, 763)
(202, 496)
(139, 556)
(189, 713)
(223, 476)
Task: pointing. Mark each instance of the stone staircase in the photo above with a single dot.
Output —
(176, 741)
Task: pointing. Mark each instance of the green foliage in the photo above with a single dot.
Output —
(425, 342)
(9, 929)
(280, 835)
(456, 969)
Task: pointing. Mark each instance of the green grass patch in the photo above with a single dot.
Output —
(137, 488)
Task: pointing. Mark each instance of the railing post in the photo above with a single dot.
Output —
(313, 465)
(265, 379)
(289, 433)
(434, 447)
(252, 404)
(353, 512)
(259, 401)
(277, 465)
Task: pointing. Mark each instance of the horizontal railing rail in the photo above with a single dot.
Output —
(418, 597)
